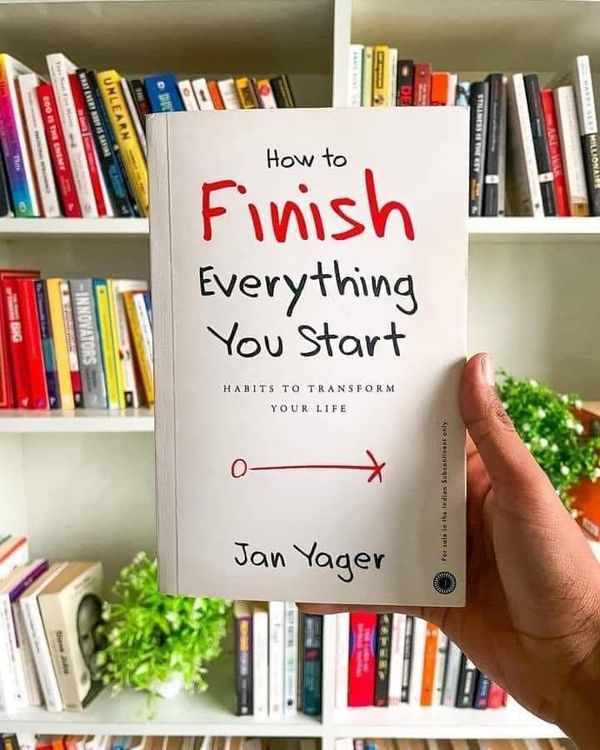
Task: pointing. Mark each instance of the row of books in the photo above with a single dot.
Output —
(76, 145)
(22, 741)
(49, 630)
(66, 344)
(417, 744)
(391, 659)
(278, 660)
(549, 135)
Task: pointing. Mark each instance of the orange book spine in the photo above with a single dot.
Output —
(215, 95)
(439, 88)
(429, 660)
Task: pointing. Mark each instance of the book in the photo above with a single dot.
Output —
(276, 658)
(163, 93)
(69, 324)
(496, 696)
(136, 118)
(393, 76)
(124, 354)
(362, 659)
(71, 608)
(14, 551)
(229, 95)
(407, 659)
(140, 99)
(439, 88)
(48, 357)
(264, 91)
(355, 57)
(421, 84)
(463, 93)
(290, 658)
(312, 657)
(203, 97)
(187, 96)
(568, 128)
(215, 95)
(429, 664)
(479, 101)
(404, 78)
(105, 323)
(417, 661)
(282, 91)
(380, 92)
(382, 658)
(242, 614)
(367, 77)
(555, 151)
(342, 642)
(32, 344)
(88, 343)
(540, 143)
(482, 691)
(467, 683)
(588, 129)
(440, 669)
(452, 86)
(495, 146)
(141, 338)
(202, 315)
(5, 199)
(451, 675)
(260, 660)
(7, 399)
(246, 92)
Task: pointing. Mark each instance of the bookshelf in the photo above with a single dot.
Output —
(533, 291)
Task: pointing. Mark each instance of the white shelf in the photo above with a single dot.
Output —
(10, 227)
(80, 420)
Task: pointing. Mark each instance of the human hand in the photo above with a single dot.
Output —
(532, 618)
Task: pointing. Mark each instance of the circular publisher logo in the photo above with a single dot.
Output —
(444, 582)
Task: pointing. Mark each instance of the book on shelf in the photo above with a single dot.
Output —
(452, 744)
(24, 741)
(75, 145)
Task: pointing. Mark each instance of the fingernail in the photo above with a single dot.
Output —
(487, 363)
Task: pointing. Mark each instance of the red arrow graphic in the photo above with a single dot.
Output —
(239, 467)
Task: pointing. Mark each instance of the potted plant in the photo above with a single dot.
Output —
(156, 642)
(546, 422)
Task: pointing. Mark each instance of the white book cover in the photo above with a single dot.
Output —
(32, 682)
(264, 91)
(310, 306)
(28, 84)
(584, 95)
(418, 655)
(260, 660)
(396, 659)
(187, 96)
(452, 84)
(203, 97)
(290, 659)
(440, 668)
(14, 552)
(276, 658)
(355, 75)
(451, 675)
(229, 94)
(135, 116)
(342, 648)
(59, 68)
(393, 75)
(570, 141)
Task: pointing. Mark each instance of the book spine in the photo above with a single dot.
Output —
(163, 93)
(243, 665)
(55, 628)
(88, 344)
(556, 158)
(47, 346)
(429, 662)
(215, 95)
(41, 653)
(451, 675)
(422, 85)
(6, 390)
(355, 74)
(143, 315)
(463, 93)
(139, 347)
(141, 100)
(58, 151)
(16, 160)
(591, 160)
(187, 96)
(417, 661)
(440, 669)
(406, 659)
(496, 696)
(203, 97)
(584, 89)
(276, 658)
(9, 701)
(290, 658)
(405, 83)
(59, 340)
(439, 89)
(117, 348)
(477, 145)
(466, 683)
(36, 375)
(282, 91)
(39, 146)
(246, 93)
(32, 682)
(361, 664)
(260, 663)
(491, 189)
(313, 655)
(382, 667)
(367, 77)
(540, 143)
(502, 149)
(393, 75)
(131, 396)
(58, 67)
(16, 344)
(129, 147)
(342, 638)
(109, 363)
(482, 691)
(451, 91)
(73, 356)
(381, 76)
(229, 94)
(564, 101)
(135, 116)
(5, 204)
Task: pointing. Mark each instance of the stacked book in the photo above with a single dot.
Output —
(368, 744)
(75, 145)
(49, 631)
(108, 742)
(392, 660)
(534, 150)
(278, 660)
(66, 344)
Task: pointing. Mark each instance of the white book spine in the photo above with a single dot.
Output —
(264, 91)
(418, 654)
(396, 659)
(276, 650)
(342, 647)
(355, 75)
(229, 94)
(452, 84)
(41, 652)
(9, 699)
(203, 97)
(440, 668)
(502, 149)
(28, 84)
(187, 96)
(290, 659)
(135, 117)
(452, 675)
(526, 173)
(60, 68)
(393, 76)
(260, 662)
(14, 559)
(32, 682)
(18, 670)
(586, 106)
(142, 312)
(566, 114)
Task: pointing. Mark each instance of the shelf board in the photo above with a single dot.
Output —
(80, 420)
(10, 227)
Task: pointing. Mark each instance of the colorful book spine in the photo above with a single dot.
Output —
(382, 661)
(137, 337)
(59, 340)
(429, 662)
(163, 93)
(69, 323)
(6, 388)
(588, 129)
(290, 659)
(30, 323)
(367, 77)
(466, 683)
(243, 661)
(407, 659)
(405, 83)
(540, 143)
(556, 157)
(496, 697)
(15, 340)
(215, 95)
(105, 329)
(5, 200)
(361, 665)
(88, 343)
(312, 657)
(135, 116)
(422, 85)
(381, 76)
(276, 658)
(141, 100)
(187, 96)
(496, 121)
(451, 675)
(482, 691)
(477, 145)
(439, 89)
(246, 93)
(52, 387)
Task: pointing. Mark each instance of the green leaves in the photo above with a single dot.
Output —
(544, 419)
(150, 635)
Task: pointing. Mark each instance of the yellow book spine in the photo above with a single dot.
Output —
(246, 93)
(108, 358)
(59, 339)
(381, 76)
(139, 347)
(109, 82)
(116, 346)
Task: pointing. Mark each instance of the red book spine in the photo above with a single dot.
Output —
(429, 660)
(58, 151)
(32, 338)
(556, 159)
(7, 400)
(495, 696)
(88, 142)
(16, 346)
(422, 85)
(361, 663)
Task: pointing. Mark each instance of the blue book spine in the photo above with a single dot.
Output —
(482, 691)
(313, 656)
(47, 346)
(163, 93)
(148, 301)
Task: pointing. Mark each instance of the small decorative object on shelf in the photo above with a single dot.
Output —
(158, 643)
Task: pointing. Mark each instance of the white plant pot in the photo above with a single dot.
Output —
(170, 687)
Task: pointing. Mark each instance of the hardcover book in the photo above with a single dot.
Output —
(309, 291)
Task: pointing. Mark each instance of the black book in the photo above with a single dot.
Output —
(407, 659)
(312, 648)
(591, 160)
(467, 683)
(5, 205)
(404, 83)
(244, 688)
(478, 102)
(482, 690)
(382, 664)
(282, 91)
(494, 146)
(142, 103)
(540, 143)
